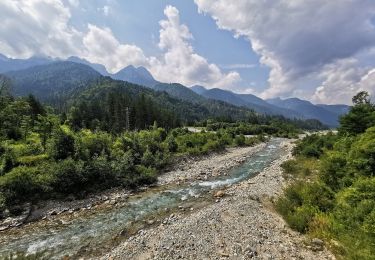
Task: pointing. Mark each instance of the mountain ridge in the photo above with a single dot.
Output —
(290, 108)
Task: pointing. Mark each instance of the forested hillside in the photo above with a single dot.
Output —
(333, 195)
(53, 83)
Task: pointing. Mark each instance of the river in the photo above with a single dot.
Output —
(97, 232)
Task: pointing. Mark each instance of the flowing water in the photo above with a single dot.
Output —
(89, 233)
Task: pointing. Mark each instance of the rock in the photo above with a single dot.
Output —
(317, 244)
(123, 233)
(250, 252)
(150, 222)
(219, 194)
(4, 227)
(223, 253)
(52, 212)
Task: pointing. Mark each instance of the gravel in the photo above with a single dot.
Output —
(242, 224)
(212, 165)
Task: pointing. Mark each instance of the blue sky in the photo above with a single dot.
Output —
(137, 22)
(323, 51)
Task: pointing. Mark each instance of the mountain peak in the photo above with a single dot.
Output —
(198, 89)
(140, 76)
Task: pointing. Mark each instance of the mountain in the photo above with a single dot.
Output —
(9, 64)
(140, 76)
(327, 114)
(198, 89)
(337, 109)
(64, 83)
(179, 91)
(224, 95)
(51, 81)
(98, 67)
(250, 101)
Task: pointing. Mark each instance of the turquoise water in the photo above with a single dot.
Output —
(89, 233)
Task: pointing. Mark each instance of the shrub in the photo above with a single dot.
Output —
(68, 177)
(239, 140)
(89, 144)
(62, 145)
(20, 184)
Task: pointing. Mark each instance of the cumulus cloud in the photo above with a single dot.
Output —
(41, 27)
(101, 46)
(342, 80)
(295, 38)
(74, 3)
(36, 27)
(179, 62)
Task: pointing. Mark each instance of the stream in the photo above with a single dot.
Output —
(96, 233)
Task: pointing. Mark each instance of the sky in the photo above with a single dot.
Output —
(319, 50)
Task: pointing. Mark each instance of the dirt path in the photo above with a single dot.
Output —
(241, 225)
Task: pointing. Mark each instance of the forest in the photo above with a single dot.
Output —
(110, 137)
(333, 192)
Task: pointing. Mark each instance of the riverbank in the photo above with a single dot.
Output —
(184, 170)
(240, 225)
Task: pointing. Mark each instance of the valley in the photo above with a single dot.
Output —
(179, 208)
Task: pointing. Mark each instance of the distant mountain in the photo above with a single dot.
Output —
(250, 101)
(98, 67)
(179, 91)
(52, 81)
(224, 95)
(337, 109)
(9, 64)
(198, 89)
(327, 114)
(140, 76)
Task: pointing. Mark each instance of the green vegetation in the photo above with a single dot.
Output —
(106, 133)
(333, 193)
(45, 155)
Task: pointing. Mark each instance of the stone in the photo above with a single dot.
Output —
(223, 253)
(219, 194)
(317, 244)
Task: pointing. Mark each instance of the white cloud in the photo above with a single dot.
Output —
(343, 79)
(74, 3)
(35, 27)
(101, 46)
(41, 27)
(179, 62)
(296, 38)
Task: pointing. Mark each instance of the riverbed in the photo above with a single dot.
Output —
(112, 229)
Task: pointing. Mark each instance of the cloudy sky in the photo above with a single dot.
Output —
(320, 50)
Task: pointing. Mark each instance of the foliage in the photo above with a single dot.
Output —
(44, 155)
(337, 202)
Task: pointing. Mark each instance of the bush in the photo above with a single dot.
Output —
(68, 177)
(239, 140)
(89, 144)
(62, 145)
(21, 184)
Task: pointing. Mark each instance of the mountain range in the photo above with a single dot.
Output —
(46, 77)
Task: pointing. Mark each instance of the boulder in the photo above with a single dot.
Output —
(219, 194)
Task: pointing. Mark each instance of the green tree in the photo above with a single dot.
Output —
(360, 117)
(363, 97)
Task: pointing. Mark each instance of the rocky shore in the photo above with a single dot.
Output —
(212, 165)
(240, 225)
(183, 170)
